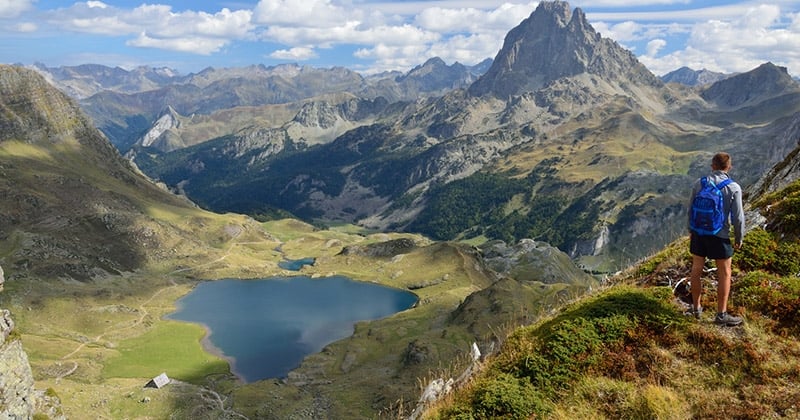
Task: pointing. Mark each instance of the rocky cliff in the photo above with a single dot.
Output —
(19, 398)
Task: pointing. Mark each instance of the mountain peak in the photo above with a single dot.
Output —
(552, 43)
(690, 77)
(766, 81)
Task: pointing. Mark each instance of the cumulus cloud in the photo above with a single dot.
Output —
(317, 13)
(294, 54)
(654, 46)
(452, 31)
(726, 38)
(397, 35)
(13, 8)
(157, 26)
(472, 20)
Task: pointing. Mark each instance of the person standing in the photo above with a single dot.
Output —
(717, 246)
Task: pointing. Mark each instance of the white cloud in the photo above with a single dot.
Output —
(730, 11)
(466, 49)
(472, 20)
(98, 4)
(297, 53)
(727, 38)
(654, 46)
(26, 27)
(621, 32)
(398, 35)
(196, 45)
(315, 13)
(451, 30)
(157, 26)
(14, 8)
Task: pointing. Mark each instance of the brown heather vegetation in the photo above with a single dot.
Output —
(629, 352)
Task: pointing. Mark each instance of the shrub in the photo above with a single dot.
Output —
(757, 252)
(557, 353)
(774, 296)
(506, 396)
(787, 259)
(762, 251)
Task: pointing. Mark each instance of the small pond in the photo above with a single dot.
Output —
(266, 327)
(295, 265)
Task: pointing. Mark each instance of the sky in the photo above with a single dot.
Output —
(371, 36)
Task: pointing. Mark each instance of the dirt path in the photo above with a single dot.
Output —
(143, 314)
(143, 306)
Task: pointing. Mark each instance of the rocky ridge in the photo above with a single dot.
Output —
(689, 77)
(124, 104)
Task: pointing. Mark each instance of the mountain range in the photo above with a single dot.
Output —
(565, 138)
(590, 152)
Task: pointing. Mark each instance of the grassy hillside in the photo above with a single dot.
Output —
(629, 351)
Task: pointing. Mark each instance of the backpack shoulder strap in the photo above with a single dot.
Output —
(724, 183)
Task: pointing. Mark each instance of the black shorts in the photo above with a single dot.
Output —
(710, 246)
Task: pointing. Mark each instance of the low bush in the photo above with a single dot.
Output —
(777, 297)
(761, 250)
(506, 396)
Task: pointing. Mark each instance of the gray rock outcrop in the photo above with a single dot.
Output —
(19, 399)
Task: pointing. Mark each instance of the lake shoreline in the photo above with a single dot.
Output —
(273, 322)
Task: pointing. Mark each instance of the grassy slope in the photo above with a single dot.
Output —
(630, 352)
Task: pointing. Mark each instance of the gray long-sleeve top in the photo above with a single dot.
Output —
(732, 206)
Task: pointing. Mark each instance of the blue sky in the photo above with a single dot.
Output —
(371, 36)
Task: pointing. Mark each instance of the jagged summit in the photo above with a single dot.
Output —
(552, 43)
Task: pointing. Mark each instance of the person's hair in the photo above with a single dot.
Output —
(721, 161)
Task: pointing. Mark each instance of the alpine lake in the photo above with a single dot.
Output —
(265, 327)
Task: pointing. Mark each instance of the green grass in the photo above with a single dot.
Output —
(628, 351)
(171, 347)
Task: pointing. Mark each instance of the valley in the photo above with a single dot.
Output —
(536, 207)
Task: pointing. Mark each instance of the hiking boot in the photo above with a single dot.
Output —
(697, 312)
(727, 320)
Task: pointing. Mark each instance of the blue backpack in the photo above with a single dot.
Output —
(708, 215)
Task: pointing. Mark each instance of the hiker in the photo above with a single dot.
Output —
(705, 243)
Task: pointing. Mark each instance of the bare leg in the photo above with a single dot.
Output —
(697, 285)
(724, 284)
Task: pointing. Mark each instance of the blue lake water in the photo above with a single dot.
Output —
(266, 327)
(295, 265)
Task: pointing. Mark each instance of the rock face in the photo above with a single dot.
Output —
(533, 54)
(17, 394)
(19, 399)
